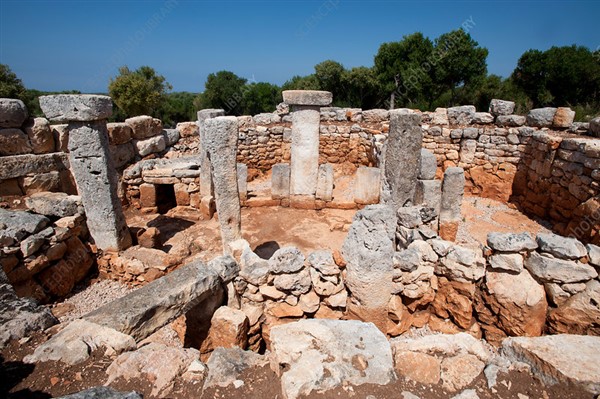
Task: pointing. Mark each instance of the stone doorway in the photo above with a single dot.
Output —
(165, 198)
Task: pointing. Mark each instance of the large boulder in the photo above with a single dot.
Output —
(518, 302)
(12, 113)
(149, 308)
(541, 117)
(501, 107)
(156, 363)
(77, 340)
(552, 270)
(40, 135)
(319, 355)
(102, 393)
(54, 204)
(511, 242)
(462, 115)
(14, 142)
(571, 359)
(226, 365)
(368, 251)
(580, 314)
(76, 107)
(20, 316)
(19, 224)
(561, 247)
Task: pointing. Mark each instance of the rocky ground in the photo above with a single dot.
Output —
(266, 230)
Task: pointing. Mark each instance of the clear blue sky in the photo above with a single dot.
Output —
(79, 45)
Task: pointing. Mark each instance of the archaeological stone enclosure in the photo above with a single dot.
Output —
(73, 185)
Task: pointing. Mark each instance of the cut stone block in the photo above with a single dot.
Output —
(76, 107)
(280, 181)
(206, 182)
(242, 175)
(367, 186)
(325, 183)
(307, 97)
(305, 149)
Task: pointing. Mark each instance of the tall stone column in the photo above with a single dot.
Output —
(206, 182)
(306, 119)
(402, 158)
(221, 144)
(92, 164)
(207, 201)
(453, 189)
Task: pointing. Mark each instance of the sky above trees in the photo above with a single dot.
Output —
(79, 45)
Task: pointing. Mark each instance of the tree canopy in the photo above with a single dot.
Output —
(139, 92)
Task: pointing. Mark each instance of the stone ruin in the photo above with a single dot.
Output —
(399, 267)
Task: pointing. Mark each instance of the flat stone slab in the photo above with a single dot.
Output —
(76, 107)
(144, 311)
(307, 97)
(19, 224)
(318, 355)
(15, 166)
(559, 358)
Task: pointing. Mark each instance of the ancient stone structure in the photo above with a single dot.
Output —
(221, 143)
(91, 164)
(305, 138)
(401, 159)
(206, 180)
(453, 187)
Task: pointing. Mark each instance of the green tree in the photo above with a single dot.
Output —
(261, 97)
(139, 92)
(329, 74)
(225, 90)
(10, 85)
(178, 107)
(531, 76)
(404, 70)
(460, 62)
(297, 82)
(362, 88)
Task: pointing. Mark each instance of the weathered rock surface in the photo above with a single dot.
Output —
(19, 316)
(552, 270)
(511, 242)
(102, 393)
(561, 247)
(147, 309)
(509, 262)
(541, 117)
(462, 115)
(21, 165)
(428, 165)
(368, 251)
(14, 142)
(221, 143)
(307, 97)
(94, 172)
(286, 260)
(445, 345)
(402, 159)
(462, 264)
(54, 204)
(76, 341)
(280, 181)
(518, 301)
(501, 107)
(19, 224)
(76, 107)
(40, 135)
(226, 365)
(559, 358)
(304, 164)
(319, 355)
(580, 314)
(156, 363)
(229, 328)
(460, 371)
(12, 113)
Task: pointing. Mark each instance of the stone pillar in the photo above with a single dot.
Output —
(325, 183)
(367, 186)
(221, 144)
(306, 119)
(92, 164)
(402, 158)
(280, 181)
(206, 183)
(242, 174)
(453, 188)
